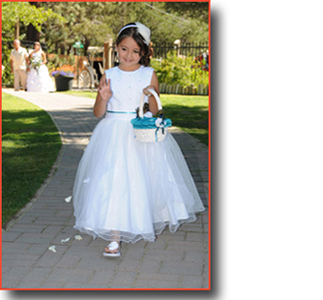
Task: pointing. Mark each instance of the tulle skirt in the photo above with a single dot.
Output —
(128, 190)
(40, 81)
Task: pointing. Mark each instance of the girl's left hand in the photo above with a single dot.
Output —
(146, 92)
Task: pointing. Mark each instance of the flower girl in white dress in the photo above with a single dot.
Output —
(38, 79)
(127, 190)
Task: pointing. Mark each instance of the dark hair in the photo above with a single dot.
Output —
(144, 49)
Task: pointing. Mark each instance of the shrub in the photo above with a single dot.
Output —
(179, 70)
(61, 64)
(7, 76)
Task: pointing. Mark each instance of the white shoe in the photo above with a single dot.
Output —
(113, 246)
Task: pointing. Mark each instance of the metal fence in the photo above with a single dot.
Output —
(185, 49)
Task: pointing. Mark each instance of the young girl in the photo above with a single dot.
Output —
(38, 79)
(127, 190)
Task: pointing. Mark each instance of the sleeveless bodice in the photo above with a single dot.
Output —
(37, 54)
(127, 87)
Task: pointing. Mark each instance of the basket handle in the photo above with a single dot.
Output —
(141, 104)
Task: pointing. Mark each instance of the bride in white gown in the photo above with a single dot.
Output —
(38, 79)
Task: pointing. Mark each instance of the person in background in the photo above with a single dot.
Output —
(18, 62)
(38, 79)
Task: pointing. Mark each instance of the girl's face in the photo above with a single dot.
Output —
(37, 46)
(128, 51)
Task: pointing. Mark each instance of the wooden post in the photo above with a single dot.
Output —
(200, 89)
(162, 87)
(111, 54)
(177, 89)
(107, 55)
(17, 30)
(177, 44)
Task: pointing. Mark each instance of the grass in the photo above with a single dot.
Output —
(190, 113)
(30, 145)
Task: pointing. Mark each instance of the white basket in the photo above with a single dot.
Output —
(149, 135)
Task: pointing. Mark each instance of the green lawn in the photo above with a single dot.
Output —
(30, 145)
(190, 113)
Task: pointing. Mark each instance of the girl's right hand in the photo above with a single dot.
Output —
(104, 90)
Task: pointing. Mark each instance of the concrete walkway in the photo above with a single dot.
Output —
(178, 260)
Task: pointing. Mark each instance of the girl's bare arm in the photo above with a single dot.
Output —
(153, 107)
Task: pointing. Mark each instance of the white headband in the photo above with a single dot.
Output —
(142, 29)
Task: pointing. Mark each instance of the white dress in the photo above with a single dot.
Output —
(39, 81)
(128, 189)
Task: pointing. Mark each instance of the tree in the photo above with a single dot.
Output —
(15, 12)
(84, 23)
(32, 33)
(93, 23)
(15, 15)
(193, 10)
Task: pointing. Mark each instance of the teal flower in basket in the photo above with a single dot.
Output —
(35, 63)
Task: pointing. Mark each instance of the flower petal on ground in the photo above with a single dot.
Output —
(52, 248)
(65, 240)
(78, 237)
(68, 199)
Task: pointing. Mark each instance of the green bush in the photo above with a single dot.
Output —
(58, 61)
(179, 70)
(7, 76)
